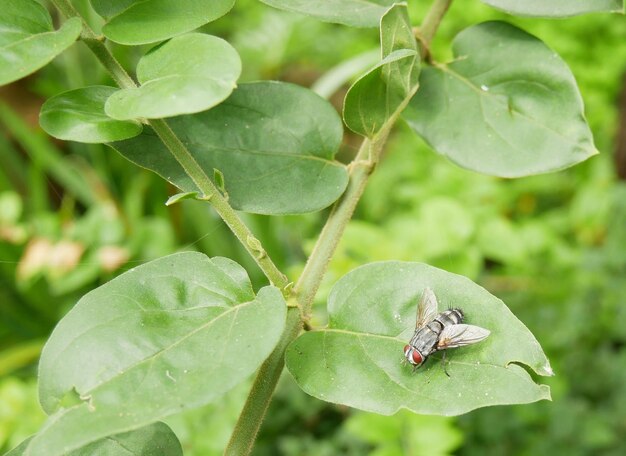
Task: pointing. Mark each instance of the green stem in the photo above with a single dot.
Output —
(251, 417)
(360, 170)
(265, 382)
(432, 20)
(182, 155)
(219, 203)
(97, 46)
(110, 63)
(341, 213)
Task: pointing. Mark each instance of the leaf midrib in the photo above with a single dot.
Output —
(397, 339)
(29, 38)
(158, 353)
(296, 156)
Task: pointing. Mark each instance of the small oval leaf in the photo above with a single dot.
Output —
(372, 101)
(154, 439)
(358, 360)
(357, 13)
(78, 115)
(375, 100)
(507, 106)
(181, 196)
(273, 143)
(28, 40)
(188, 74)
(556, 8)
(148, 21)
(172, 334)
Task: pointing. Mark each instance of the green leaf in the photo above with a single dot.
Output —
(376, 99)
(371, 101)
(173, 334)
(396, 33)
(507, 106)
(188, 74)
(358, 360)
(147, 21)
(27, 39)
(181, 196)
(156, 438)
(78, 115)
(556, 8)
(273, 142)
(357, 13)
(20, 449)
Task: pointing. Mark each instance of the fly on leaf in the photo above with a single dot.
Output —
(437, 331)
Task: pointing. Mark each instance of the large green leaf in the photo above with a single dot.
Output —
(358, 13)
(556, 8)
(148, 21)
(507, 106)
(273, 142)
(358, 359)
(172, 334)
(375, 100)
(188, 74)
(154, 439)
(27, 39)
(78, 115)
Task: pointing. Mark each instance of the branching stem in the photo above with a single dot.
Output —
(253, 413)
(301, 300)
(181, 154)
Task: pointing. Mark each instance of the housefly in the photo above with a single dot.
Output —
(436, 331)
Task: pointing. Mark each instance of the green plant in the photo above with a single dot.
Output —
(176, 333)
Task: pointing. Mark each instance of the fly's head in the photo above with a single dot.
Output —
(413, 356)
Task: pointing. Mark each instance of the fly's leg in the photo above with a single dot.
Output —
(418, 366)
(443, 364)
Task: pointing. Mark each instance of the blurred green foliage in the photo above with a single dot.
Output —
(553, 247)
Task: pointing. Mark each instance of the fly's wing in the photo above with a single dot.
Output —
(461, 335)
(427, 308)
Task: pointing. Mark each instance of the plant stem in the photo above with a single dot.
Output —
(360, 169)
(110, 63)
(432, 20)
(253, 412)
(97, 46)
(182, 155)
(265, 382)
(251, 417)
(267, 377)
(219, 202)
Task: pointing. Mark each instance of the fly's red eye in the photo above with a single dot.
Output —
(406, 349)
(417, 358)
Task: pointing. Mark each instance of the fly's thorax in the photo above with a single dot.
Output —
(425, 339)
(450, 317)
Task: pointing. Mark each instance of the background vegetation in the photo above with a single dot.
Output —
(553, 247)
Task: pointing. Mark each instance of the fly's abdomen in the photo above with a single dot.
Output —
(450, 317)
